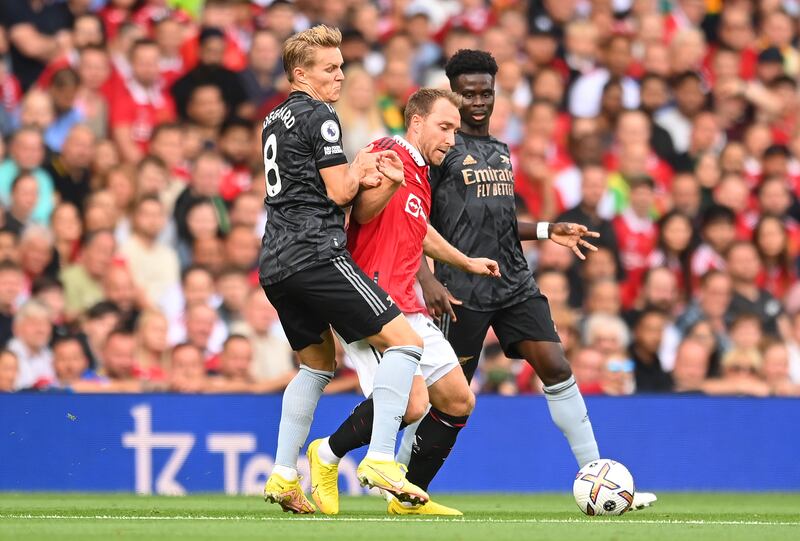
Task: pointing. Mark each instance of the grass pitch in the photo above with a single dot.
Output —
(488, 517)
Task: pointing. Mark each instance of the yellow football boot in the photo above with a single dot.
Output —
(324, 481)
(387, 476)
(288, 494)
(430, 508)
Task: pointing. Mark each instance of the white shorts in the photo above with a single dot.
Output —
(438, 357)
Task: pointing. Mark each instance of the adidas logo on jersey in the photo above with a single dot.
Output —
(469, 160)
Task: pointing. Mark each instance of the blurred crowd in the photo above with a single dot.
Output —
(132, 183)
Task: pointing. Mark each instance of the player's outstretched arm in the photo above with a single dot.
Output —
(567, 234)
(371, 201)
(434, 245)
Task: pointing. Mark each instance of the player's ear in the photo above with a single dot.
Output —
(299, 74)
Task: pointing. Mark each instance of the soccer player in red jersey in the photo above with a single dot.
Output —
(388, 233)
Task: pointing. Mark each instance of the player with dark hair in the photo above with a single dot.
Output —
(388, 233)
(473, 208)
(310, 277)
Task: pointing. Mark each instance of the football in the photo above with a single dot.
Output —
(603, 487)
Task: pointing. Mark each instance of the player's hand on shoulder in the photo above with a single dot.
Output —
(573, 236)
(438, 299)
(484, 267)
(391, 166)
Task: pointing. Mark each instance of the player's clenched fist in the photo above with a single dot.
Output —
(483, 266)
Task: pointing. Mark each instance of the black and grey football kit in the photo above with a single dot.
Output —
(304, 266)
(473, 208)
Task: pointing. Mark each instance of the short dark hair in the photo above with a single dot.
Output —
(141, 42)
(232, 338)
(684, 76)
(469, 61)
(718, 213)
(102, 309)
(236, 122)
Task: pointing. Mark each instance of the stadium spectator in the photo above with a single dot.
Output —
(674, 247)
(647, 333)
(210, 71)
(740, 375)
(775, 369)
(272, 356)
(358, 109)
(608, 334)
(139, 103)
(32, 331)
(11, 286)
(587, 366)
(24, 195)
(603, 297)
(744, 266)
(233, 286)
(497, 372)
(187, 371)
(617, 377)
(83, 280)
(69, 169)
(27, 153)
(118, 366)
(154, 266)
(37, 255)
(152, 348)
(9, 368)
(120, 288)
(96, 325)
(70, 367)
(241, 249)
(717, 234)
(691, 366)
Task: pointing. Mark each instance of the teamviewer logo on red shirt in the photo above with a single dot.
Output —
(414, 206)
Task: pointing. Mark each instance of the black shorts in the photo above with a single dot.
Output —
(335, 293)
(528, 320)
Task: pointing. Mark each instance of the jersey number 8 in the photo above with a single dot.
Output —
(270, 167)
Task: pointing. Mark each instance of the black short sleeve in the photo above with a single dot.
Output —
(325, 133)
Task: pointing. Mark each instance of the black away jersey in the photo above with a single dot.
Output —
(304, 226)
(473, 208)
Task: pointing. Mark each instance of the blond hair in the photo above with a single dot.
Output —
(421, 102)
(298, 51)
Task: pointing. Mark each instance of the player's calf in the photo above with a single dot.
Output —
(452, 402)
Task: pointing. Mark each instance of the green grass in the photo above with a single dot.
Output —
(488, 517)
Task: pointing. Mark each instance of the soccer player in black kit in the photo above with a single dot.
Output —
(308, 274)
(473, 208)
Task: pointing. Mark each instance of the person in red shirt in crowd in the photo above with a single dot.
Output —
(115, 14)
(168, 33)
(140, 103)
(87, 31)
(535, 179)
(736, 33)
(771, 239)
(717, 233)
(217, 14)
(636, 234)
(235, 144)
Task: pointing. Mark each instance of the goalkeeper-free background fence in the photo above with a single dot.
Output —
(178, 444)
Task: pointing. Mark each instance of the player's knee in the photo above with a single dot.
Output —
(556, 372)
(460, 403)
(414, 412)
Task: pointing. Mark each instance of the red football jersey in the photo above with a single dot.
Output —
(389, 248)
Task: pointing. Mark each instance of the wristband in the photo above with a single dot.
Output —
(543, 230)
